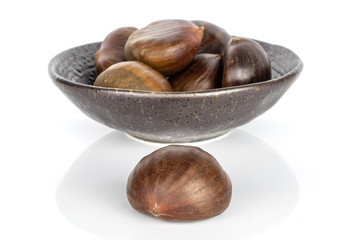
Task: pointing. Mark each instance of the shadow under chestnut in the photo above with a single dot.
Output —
(92, 194)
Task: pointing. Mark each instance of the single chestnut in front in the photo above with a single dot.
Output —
(179, 183)
(245, 62)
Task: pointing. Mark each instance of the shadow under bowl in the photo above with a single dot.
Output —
(176, 116)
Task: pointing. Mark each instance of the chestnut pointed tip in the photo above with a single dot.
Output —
(235, 39)
(154, 211)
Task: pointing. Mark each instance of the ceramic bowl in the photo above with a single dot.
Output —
(171, 117)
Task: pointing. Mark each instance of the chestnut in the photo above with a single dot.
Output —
(215, 38)
(245, 61)
(203, 73)
(112, 48)
(166, 45)
(179, 183)
(133, 75)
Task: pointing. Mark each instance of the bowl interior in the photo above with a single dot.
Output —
(78, 66)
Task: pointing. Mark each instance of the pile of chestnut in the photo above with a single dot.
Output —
(179, 55)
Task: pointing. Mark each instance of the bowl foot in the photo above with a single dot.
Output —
(175, 139)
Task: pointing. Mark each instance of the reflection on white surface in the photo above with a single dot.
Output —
(92, 194)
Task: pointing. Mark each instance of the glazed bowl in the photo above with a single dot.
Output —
(176, 116)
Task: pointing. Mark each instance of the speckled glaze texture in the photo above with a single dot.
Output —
(171, 117)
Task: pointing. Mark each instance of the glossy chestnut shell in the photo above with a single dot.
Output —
(133, 75)
(179, 183)
(245, 61)
(112, 48)
(203, 73)
(215, 38)
(166, 45)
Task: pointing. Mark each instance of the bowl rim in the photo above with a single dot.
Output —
(217, 91)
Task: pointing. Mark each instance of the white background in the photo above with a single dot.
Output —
(295, 169)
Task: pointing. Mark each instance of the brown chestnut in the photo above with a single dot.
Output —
(245, 61)
(166, 45)
(215, 38)
(112, 48)
(179, 183)
(203, 73)
(133, 75)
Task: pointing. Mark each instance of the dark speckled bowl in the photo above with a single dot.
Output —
(171, 117)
